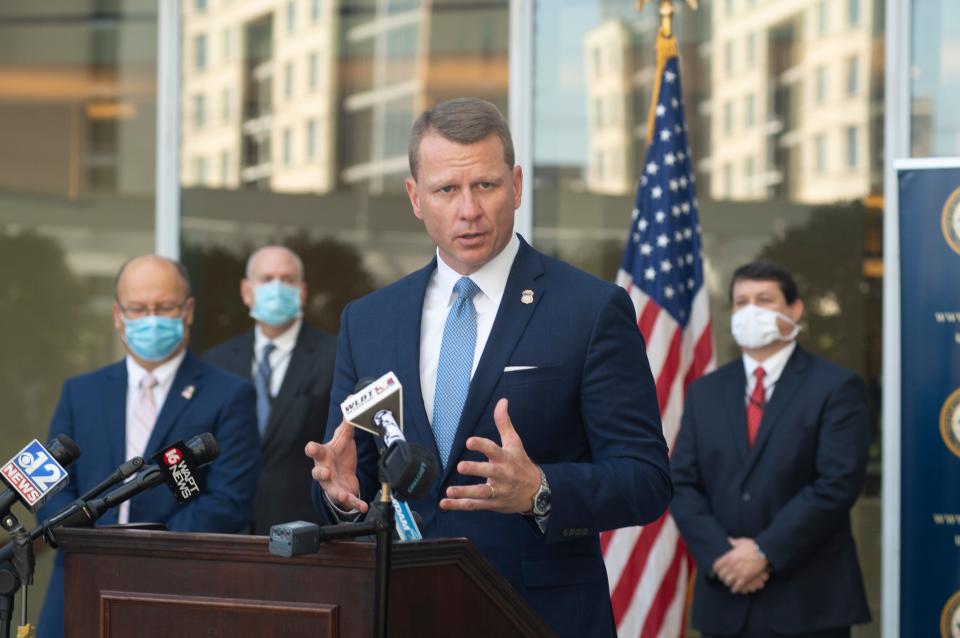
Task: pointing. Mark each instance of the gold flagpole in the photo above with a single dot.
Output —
(666, 49)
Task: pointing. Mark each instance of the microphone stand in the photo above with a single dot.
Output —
(384, 536)
(23, 562)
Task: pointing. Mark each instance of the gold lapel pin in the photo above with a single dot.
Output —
(526, 296)
(188, 392)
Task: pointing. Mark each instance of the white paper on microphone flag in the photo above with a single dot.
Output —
(385, 393)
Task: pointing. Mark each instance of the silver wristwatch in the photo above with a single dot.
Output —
(541, 499)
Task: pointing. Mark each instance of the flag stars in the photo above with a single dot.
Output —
(661, 110)
(670, 159)
(636, 237)
(643, 180)
(635, 214)
(663, 241)
(656, 192)
(668, 292)
(685, 207)
(660, 216)
(665, 135)
(670, 76)
(646, 249)
(677, 236)
(649, 274)
(677, 129)
(687, 233)
(642, 224)
(690, 283)
(689, 258)
(674, 102)
(674, 185)
(666, 266)
(652, 168)
(683, 181)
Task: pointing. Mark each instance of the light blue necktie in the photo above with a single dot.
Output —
(455, 366)
(261, 381)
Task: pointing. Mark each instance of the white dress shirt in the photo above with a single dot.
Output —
(772, 368)
(164, 375)
(279, 358)
(439, 298)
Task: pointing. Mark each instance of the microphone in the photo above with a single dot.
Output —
(410, 469)
(36, 472)
(120, 474)
(177, 466)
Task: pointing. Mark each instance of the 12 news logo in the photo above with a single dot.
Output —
(34, 474)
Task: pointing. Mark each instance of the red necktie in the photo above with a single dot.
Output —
(758, 398)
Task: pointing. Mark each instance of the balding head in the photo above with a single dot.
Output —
(279, 261)
(153, 264)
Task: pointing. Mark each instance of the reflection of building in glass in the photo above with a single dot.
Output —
(306, 95)
(610, 122)
(791, 95)
(619, 69)
(401, 57)
(258, 94)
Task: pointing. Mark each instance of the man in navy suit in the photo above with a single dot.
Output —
(771, 456)
(292, 382)
(527, 377)
(159, 394)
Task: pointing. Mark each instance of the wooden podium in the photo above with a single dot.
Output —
(123, 583)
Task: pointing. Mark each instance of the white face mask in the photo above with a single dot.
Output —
(756, 327)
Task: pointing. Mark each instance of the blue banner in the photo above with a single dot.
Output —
(930, 401)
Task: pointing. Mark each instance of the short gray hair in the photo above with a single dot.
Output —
(296, 258)
(464, 120)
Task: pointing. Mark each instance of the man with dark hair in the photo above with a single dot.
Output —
(771, 456)
(157, 395)
(291, 366)
(526, 377)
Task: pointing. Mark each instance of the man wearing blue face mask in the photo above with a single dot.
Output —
(158, 394)
(291, 366)
(771, 456)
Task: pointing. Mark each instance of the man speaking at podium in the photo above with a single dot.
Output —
(527, 377)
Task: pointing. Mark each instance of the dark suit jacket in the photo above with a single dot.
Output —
(791, 492)
(92, 411)
(587, 414)
(298, 416)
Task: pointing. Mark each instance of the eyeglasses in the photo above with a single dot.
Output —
(160, 310)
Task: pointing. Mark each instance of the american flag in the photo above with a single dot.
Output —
(649, 567)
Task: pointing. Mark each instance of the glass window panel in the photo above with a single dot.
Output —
(77, 124)
(200, 52)
(935, 78)
(784, 188)
(317, 156)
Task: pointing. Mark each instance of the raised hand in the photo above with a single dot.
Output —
(335, 468)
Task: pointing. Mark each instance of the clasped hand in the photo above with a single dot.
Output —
(511, 477)
(743, 568)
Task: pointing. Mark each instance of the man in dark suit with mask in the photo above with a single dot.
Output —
(771, 456)
(291, 365)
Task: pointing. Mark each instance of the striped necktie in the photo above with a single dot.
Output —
(261, 382)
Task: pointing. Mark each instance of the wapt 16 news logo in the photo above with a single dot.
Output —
(34, 474)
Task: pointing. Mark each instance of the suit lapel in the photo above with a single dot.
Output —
(787, 385)
(736, 411)
(115, 409)
(241, 357)
(415, 422)
(177, 399)
(508, 327)
(300, 358)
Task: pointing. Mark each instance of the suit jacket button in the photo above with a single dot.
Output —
(746, 497)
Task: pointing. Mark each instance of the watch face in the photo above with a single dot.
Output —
(542, 505)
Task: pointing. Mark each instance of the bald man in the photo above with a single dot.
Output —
(157, 395)
(291, 366)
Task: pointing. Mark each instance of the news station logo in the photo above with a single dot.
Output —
(950, 422)
(34, 474)
(181, 472)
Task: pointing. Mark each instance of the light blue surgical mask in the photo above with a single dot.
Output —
(153, 338)
(275, 303)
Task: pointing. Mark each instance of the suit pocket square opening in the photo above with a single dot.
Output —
(519, 368)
